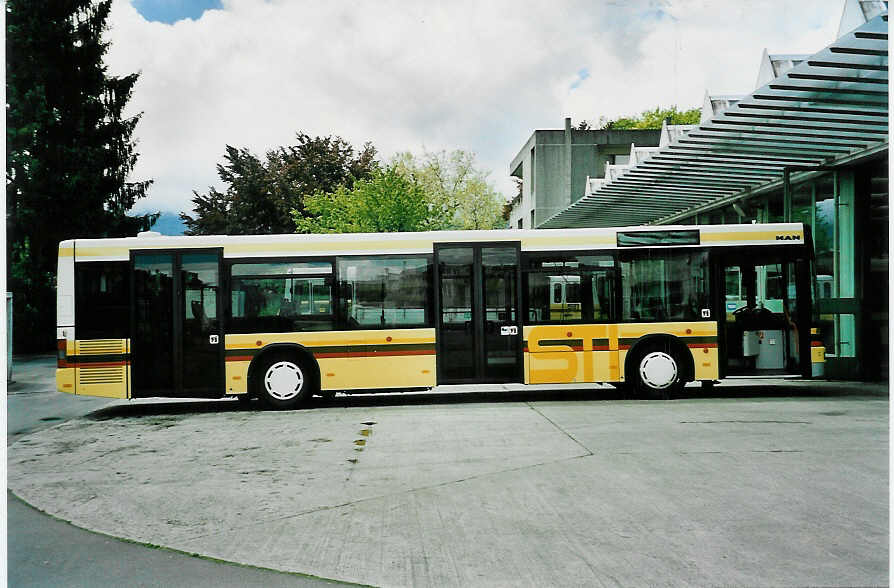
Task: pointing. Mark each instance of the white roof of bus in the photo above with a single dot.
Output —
(298, 245)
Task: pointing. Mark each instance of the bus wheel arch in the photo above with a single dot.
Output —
(658, 366)
(284, 375)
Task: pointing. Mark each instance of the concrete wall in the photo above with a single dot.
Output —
(555, 175)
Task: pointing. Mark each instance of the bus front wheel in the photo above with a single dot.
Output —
(283, 382)
(657, 372)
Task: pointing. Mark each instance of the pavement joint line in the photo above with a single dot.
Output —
(325, 508)
(196, 555)
(560, 429)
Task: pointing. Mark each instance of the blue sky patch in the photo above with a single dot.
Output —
(582, 74)
(170, 11)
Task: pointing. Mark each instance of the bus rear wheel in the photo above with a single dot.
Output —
(282, 382)
(657, 372)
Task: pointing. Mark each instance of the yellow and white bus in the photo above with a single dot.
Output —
(286, 317)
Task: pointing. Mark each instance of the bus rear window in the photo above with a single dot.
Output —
(102, 300)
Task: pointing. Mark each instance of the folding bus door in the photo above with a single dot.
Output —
(177, 344)
(477, 302)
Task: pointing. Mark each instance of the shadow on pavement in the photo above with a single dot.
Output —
(726, 391)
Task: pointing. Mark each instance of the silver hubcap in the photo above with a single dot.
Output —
(283, 380)
(658, 370)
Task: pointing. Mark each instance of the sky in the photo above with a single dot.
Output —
(477, 76)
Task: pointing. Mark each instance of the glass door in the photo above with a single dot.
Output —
(152, 344)
(177, 345)
(201, 336)
(499, 282)
(766, 324)
(477, 307)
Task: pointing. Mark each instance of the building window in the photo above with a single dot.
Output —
(533, 168)
(824, 233)
(775, 208)
(521, 222)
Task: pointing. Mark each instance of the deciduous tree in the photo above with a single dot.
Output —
(458, 192)
(388, 201)
(261, 195)
(653, 119)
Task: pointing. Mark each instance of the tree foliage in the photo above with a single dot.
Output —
(261, 195)
(388, 201)
(653, 119)
(436, 191)
(458, 193)
(70, 149)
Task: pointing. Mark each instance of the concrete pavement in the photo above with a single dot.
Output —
(757, 485)
(54, 553)
(44, 551)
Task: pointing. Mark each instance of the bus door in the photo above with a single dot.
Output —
(765, 326)
(177, 343)
(477, 300)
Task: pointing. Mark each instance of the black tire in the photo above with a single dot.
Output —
(657, 371)
(284, 381)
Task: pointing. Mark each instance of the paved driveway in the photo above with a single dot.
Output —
(755, 486)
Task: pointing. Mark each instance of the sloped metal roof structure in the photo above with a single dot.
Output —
(830, 108)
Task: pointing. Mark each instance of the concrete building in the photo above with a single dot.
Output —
(809, 145)
(555, 165)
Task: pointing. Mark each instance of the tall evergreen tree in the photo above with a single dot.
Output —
(70, 149)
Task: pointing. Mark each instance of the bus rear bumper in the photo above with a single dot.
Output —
(65, 380)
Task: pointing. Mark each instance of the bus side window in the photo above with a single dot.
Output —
(665, 286)
(603, 296)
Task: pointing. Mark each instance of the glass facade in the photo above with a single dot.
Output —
(847, 213)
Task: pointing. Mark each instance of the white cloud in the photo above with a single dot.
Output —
(471, 75)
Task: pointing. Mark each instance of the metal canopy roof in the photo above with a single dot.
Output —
(827, 109)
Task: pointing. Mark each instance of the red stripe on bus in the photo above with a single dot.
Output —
(375, 353)
(333, 354)
(550, 348)
(701, 345)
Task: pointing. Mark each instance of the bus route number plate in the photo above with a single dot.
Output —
(509, 330)
(213, 339)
